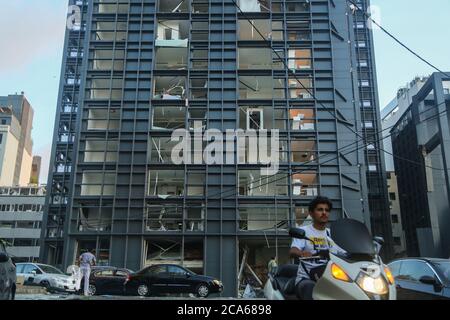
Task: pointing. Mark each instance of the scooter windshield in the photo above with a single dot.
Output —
(353, 237)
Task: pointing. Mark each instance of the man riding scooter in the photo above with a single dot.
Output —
(309, 271)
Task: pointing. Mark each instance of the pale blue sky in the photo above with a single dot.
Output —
(32, 35)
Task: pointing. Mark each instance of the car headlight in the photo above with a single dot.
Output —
(217, 282)
(372, 285)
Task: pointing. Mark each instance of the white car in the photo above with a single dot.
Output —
(47, 276)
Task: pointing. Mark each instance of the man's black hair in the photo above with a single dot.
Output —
(319, 200)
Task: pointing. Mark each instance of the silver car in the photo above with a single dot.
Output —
(47, 276)
(7, 275)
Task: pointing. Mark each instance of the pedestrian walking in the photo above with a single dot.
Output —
(87, 260)
(272, 264)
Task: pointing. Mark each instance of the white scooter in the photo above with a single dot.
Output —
(357, 274)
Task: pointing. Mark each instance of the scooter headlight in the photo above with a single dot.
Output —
(339, 273)
(371, 285)
(389, 275)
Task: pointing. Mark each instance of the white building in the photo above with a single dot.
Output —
(21, 211)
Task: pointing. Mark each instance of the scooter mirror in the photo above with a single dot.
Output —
(297, 233)
(379, 240)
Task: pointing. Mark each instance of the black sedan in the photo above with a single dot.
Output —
(421, 278)
(107, 281)
(168, 278)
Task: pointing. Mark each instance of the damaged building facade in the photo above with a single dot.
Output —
(137, 70)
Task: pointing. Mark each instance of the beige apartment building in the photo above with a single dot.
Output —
(16, 119)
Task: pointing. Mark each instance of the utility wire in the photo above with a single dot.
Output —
(334, 116)
(311, 93)
(175, 210)
(368, 16)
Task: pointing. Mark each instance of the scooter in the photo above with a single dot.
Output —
(355, 273)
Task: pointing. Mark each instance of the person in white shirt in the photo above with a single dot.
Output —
(310, 271)
(86, 260)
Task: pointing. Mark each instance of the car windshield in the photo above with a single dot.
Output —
(444, 266)
(50, 269)
(190, 271)
(353, 236)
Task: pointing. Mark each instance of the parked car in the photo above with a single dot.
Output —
(7, 275)
(107, 280)
(421, 278)
(47, 276)
(169, 278)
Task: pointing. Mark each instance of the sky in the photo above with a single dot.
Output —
(32, 38)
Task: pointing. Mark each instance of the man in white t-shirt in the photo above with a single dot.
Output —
(86, 260)
(310, 271)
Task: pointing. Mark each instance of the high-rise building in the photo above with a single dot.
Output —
(35, 170)
(390, 115)
(21, 212)
(136, 71)
(421, 144)
(16, 121)
(372, 128)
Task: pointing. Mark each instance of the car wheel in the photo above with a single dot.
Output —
(45, 284)
(92, 290)
(203, 290)
(142, 290)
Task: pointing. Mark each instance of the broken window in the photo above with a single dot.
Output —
(195, 216)
(105, 89)
(304, 184)
(251, 30)
(91, 218)
(255, 58)
(109, 31)
(267, 218)
(173, 6)
(101, 151)
(168, 58)
(173, 33)
(165, 183)
(167, 217)
(199, 88)
(300, 88)
(160, 149)
(193, 255)
(98, 183)
(197, 118)
(107, 60)
(300, 59)
(254, 5)
(169, 88)
(302, 216)
(297, 6)
(168, 118)
(261, 118)
(254, 255)
(101, 247)
(162, 252)
(261, 87)
(103, 119)
(299, 30)
(200, 6)
(303, 150)
(302, 119)
(112, 8)
(252, 183)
